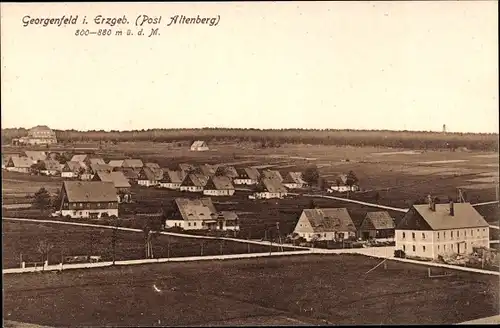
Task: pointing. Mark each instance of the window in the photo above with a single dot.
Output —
(444, 234)
(414, 248)
(404, 235)
(451, 246)
(404, 248)
(444, 247)
(452, 234)
(472, 232)
(484, 230)
(413, 235)
(438, 247)
(423, 235)
(438, 235)
(189, 224)
(458, 233)
(465, 245)
(465, 233)
(423, 248)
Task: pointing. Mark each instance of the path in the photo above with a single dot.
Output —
(493, 320)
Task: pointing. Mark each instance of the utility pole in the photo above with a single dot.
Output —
(201, 253)
(248, 244)
(221, 246)
(270, 243)
(20, 260)
(168, 248)
(113, 243)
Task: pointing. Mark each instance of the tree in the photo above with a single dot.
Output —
(43, 248)
(312, 204)
(311, 175)
(377, 197)
(42, 199)
(38, 167)
(351, 180)
(55, 202)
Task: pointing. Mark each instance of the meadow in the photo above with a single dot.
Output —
(309, 289)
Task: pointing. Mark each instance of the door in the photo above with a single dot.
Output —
(366, 235)
(221, 225)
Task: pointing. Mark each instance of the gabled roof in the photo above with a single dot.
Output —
(170, 176)
(116, 162)
(297, 177)
(152, 165)
(134, 163)
(100, 167)
(97, 160)
(465, 216)
(378, 220)
(90, 191)
(117, 178)
(272, 174)
(208, 169)
(273, 185)
(79, 158)
(248, 173)
(146, 174)
(158, 172)
(229, 215)
(73, 166)
(129, 173)
(195, 179)
(196, 209)
(219, 183)
(187, 167)
(21, 162)
(36, 155)
(199, 143)
(329, 219)
(52, 165)
(228, 171)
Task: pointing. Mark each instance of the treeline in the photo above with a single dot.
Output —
(376, 138)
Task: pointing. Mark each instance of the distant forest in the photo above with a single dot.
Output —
(272, 138)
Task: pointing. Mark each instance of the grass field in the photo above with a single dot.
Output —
(311, 289)
(23, 238)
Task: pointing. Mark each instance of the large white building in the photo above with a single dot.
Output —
(325, 224)
(430, 230)
(41, 135)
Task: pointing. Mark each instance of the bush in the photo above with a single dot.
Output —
(398, 253)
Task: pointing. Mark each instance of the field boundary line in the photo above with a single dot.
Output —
(246, 241)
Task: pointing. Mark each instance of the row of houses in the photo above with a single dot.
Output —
(426, 230)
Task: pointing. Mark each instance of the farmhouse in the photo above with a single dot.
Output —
(41, 135)
(116, 163)
(430, 230)
(325, 224)
(247, 176)
(199, 145)
(19, 164)
(89, 199)
(194, 182)
(133, 163)
(36, 156)
(341, 185)
(377, 225)
(208, 170)
(72, 169)
(147, 177)
(81, 158)
(272, 174)
(171, 179)
(200, 214)
(270, 188)
(119, 181)
(219, 186)
(293, 180)
(227, 171)
(51, 167)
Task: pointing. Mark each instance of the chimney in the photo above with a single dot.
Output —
(452, 209)
(432, 204)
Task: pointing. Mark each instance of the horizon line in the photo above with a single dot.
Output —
(254, 129)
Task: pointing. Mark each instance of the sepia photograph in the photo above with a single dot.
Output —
(208, 164)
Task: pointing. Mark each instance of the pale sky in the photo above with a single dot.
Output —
(366, 65)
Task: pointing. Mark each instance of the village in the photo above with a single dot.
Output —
(94, 188)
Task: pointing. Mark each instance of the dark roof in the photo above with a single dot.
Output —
(219, 183)
(118, 178)
(196, 209)
(146, 174)
(329, 219)
(90, 191)
(170, 176)
(195, 179)
(378, 221)
(273, 185)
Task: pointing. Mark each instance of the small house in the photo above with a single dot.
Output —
(147, 178)
(89, 199)
(171, 179)
(247, 176)
(293, 180)
(208, 170)
(227, 171)
(341, 185)
(119, 181)
(36, 156)
(19, 164)
(135, 164)
(96, 167)
(51, 167)
(199, 145)
(72, 170)
(194, 182)
(219, 186)
(200, 214)
(325, 224)
(272, 174)
(270, 188)
(377, 225)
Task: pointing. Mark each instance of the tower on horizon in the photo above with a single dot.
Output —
(444, 128)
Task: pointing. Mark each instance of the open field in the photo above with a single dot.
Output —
(313, 289)
(23, 238)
